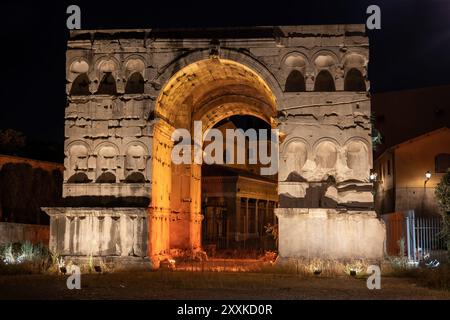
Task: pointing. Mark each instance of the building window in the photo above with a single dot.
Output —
(442, 162)
(389, 167)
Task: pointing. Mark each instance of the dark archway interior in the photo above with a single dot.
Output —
(135, 84)
(106, 177)
(295, 82)
(324, 82)
(107, 85)
(354, 81)
(80, 85)
(237, 201)
(79, 177)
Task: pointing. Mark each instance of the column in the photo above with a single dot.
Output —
(273, 214)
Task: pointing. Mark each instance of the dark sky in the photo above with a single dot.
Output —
(412, 49)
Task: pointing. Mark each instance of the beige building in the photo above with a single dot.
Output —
(401, 173)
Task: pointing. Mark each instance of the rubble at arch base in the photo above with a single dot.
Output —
(129, 89)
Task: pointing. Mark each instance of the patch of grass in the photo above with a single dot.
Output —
(433, 278)
(438, 278)
(316, 267)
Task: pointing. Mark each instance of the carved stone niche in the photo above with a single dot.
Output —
(326, 155)
(106, 164)
(135, 163)
(78, 163)
(358, 159)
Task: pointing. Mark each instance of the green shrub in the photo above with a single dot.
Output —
(442, 193)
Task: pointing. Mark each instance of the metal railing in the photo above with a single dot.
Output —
(417, 238)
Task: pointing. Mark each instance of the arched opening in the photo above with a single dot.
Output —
(135, 84)
(135, 177)
(80, 86)
(197, 97)
(106, 177)
(354, 81)
(107, 85)
(79, 177)
(324, 82)
(295, 82)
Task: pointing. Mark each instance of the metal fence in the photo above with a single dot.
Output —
(418, 238)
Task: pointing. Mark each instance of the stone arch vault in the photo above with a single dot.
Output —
(207, 90)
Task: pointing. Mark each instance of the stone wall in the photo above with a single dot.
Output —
(18, 232)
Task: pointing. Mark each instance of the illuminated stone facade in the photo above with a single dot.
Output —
(129, 89)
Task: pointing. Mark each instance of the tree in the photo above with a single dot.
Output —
(11, 141)
(442, 194)
(377, 138)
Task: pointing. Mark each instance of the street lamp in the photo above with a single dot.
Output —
(427, 177)
(373, 176)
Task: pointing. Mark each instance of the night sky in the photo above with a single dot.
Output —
(412, 50)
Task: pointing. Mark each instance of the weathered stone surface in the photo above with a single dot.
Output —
(128, 91)
(98, 231)
(330, 234)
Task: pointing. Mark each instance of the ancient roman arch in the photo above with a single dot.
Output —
(128, 90)
(207, 90)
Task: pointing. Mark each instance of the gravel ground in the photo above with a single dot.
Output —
(209, 285)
